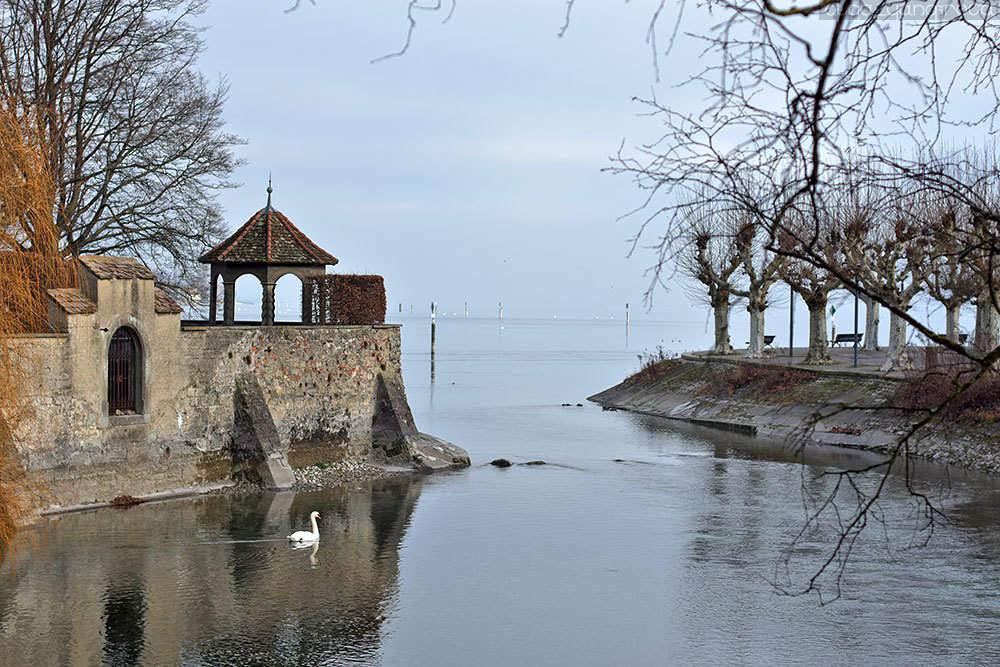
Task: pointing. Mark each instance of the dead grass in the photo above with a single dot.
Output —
(979, 403)
(763, 380)
(653, 365)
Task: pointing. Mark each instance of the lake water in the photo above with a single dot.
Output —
(640, 543)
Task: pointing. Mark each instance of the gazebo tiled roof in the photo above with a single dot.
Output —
(268, 237)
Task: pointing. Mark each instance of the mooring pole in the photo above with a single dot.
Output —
(433, 330)
(855, 328)
(791, 322)
(500, 305)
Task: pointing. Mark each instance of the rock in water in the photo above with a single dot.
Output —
(501, 463)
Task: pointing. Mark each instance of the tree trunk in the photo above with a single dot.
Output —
(756, 347)
(987, 320)
(819, 346)
(897, 357)
(872, 308)
(721, 308)
(951, 314)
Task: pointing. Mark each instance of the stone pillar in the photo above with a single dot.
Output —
(307, 301)
(212, 297)
(267, 306)
(228, 302)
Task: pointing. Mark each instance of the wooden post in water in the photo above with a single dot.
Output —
(466, 310)
(501, 310)
(433, 330)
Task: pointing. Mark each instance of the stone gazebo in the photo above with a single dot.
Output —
(268, 246)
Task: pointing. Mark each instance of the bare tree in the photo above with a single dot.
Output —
(813, 283)
(711, 258)
(888, 252)
(787, 87)
(951, 280)
(762, 270)
(134, 132)
(872, 308)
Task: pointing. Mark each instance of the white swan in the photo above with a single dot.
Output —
(305, 535)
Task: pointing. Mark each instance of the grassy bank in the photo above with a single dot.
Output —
(824, 406)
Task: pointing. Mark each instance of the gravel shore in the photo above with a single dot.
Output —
(313, 478)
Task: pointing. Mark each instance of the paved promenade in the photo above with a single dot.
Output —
(842, 359)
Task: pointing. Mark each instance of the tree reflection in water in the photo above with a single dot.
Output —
(212, 581)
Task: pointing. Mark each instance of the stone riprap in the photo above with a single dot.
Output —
(833, 407)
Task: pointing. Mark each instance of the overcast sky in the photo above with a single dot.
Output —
(468, 170)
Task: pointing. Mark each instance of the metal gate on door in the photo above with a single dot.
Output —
(122, 373)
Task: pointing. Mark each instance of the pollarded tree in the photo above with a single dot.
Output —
(888, 248)
(985, 262)
(811, 282)
(762, 270)
(872, 308)
(133, 132)
(711, 258)
(951, 280)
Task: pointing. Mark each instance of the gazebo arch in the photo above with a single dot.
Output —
(268, 246)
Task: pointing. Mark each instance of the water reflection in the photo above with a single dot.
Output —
(124, 619)
(212, 581)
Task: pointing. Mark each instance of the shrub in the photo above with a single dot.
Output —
(654, 365)
(764, 379)
(980, 402)
(345, 299)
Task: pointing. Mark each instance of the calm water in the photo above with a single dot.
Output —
(661, 557)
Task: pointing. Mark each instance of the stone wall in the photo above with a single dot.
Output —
(320, 385)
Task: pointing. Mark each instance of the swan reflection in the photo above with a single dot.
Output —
(313, 548)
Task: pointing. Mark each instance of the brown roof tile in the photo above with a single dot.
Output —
(268, 237)
(164, 304)
(121, 268)
(72, 300)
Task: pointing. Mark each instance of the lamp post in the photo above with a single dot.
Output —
(855, 328)
(791, 322)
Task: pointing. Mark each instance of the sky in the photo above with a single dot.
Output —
(469, 170)
(466, 171)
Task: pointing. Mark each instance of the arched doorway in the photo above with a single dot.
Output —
(124, 373)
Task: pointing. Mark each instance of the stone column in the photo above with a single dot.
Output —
(267, 307)
(212, 296)
(228, 302)
(307, 301)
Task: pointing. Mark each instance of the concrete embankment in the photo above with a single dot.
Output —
(792, 403)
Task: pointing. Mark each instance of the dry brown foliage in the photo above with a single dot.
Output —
(653, 366)
(345, 299)
(766, 380)
(978, 403)
(30, 262)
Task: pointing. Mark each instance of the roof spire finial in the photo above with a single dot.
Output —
(269, 191)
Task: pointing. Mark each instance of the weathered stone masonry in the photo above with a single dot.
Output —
(320, 383)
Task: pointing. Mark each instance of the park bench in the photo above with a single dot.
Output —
(849, 338)
(767, 340)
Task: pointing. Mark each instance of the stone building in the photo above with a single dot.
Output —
(130, 400)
